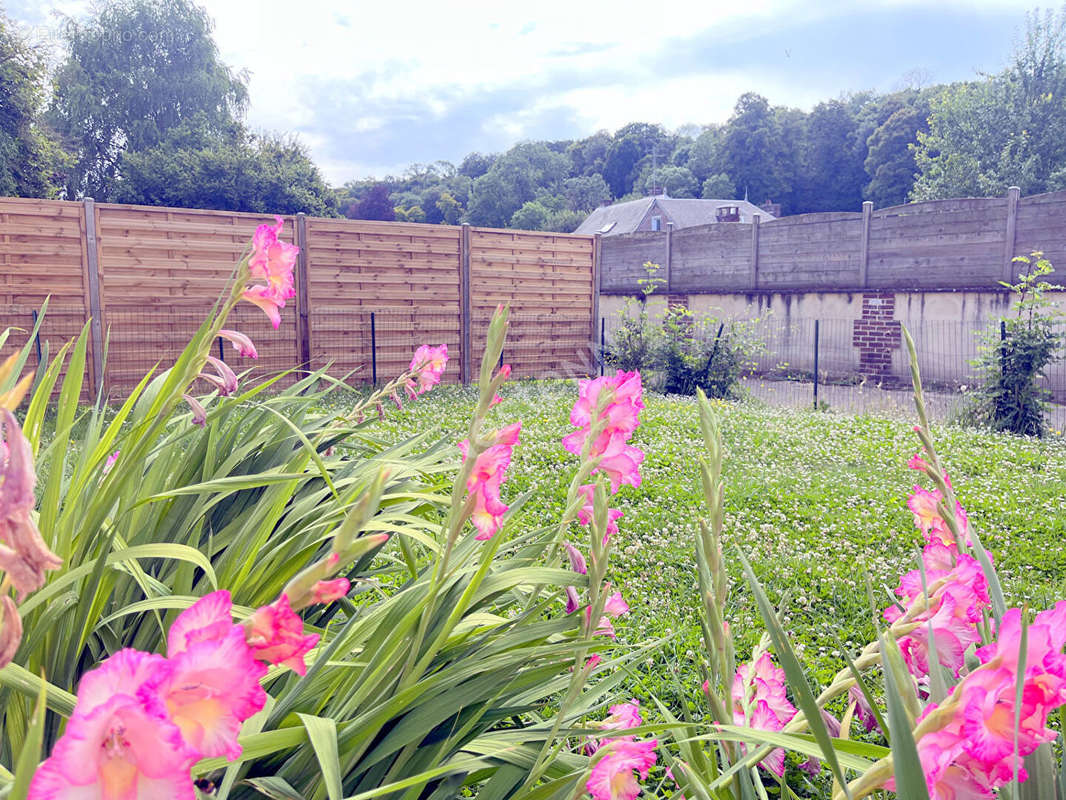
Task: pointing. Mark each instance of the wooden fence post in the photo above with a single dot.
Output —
(597, 339)
(303, 294)
(1013, 193)
(669, 256)
(464, 303)
(864, 254)
(754, 251)
(91, 265)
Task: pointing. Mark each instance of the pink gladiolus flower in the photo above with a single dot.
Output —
(863, 710)
(577, 560)
(110, 462)
(241, 343)
(573, 602)
(957, 596)
(268, 300)
(585, 514)
(918, 463)
(621, 717)
(485, 480)
(272, 261)
(276, 635)
(226, 380)
(923, 504)
(620, 461)
(612, 777)
(10, 630)
(212, 685)
(614, 607)
(430, 363)
(199, 413)
(760, 702)
(23, 554)
(328, 591)
(119, 743)
(974, 752)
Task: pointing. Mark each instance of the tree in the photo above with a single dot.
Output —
(475, 165)
(589, 155)
(832, 173)
(196, 167)
(29, 158)
(586, 193)
(675, 181)
(632, 144)
(376, 204)
(449, 208)
(890, 156)
(532, 216)
(516, 177)
(703, 156)
(718, 187)
(133, 72)
(546, 213)
(753, 152)
(410, 214)
(1008, 129)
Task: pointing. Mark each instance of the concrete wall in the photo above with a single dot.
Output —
(859, 333)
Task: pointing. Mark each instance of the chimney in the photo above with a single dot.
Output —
(771, 207)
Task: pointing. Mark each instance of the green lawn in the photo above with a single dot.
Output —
(815, 500)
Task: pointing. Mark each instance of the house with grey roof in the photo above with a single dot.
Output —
(654, 213)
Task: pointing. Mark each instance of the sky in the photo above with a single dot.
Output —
(372, 87)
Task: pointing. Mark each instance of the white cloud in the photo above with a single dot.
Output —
(597, 61)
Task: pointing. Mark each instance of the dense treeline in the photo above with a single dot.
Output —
(142, 109)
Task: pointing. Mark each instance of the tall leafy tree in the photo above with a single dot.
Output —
(832, 174)
(675, 181)
(29, 157)
(753, 151)
(195, 166)
(133, 71)
(1008, 129)
(890, 155)
(375, 205)
(516, 177)
(586, 193)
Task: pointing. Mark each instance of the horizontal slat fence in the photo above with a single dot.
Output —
(369, 292)
(964, 243)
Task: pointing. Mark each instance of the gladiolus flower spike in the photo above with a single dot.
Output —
(619, 419)
(271, 261)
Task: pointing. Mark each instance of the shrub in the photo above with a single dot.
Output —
(679, 353)
(1012, 360)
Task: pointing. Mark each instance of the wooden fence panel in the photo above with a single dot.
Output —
(407, 274)
(547, 280)
(42, 255)
(161, 270)
(374, 290)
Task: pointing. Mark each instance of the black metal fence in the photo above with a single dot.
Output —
(839, 364)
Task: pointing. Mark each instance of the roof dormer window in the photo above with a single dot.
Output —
(656, 223)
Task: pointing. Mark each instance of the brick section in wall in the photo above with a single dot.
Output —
(876, 335)
(677, 300)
